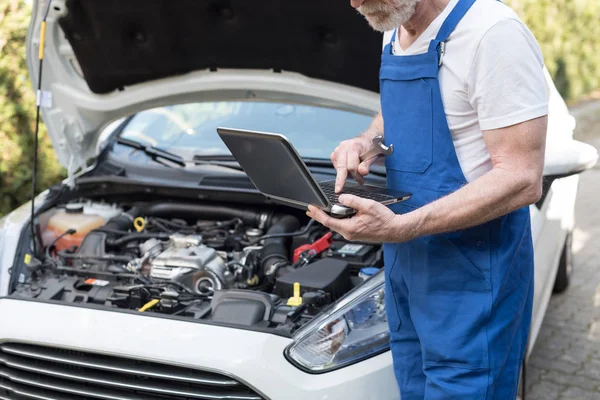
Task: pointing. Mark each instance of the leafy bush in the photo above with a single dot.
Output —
(569, 33)
(17, 114)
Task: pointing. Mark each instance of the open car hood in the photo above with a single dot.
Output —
(108, 59)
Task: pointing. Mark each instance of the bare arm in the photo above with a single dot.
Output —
(515, 181)
(376, 127)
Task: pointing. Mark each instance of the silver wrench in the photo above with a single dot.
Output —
(379, 148)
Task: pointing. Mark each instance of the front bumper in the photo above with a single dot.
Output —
(251, 357)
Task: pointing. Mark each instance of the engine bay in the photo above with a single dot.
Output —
(212, 262)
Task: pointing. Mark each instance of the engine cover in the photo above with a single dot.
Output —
(191, 264)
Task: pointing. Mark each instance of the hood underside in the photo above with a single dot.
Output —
(105, 60)
(120, 43)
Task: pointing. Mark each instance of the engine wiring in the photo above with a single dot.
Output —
(244, 271)
(51, 246)
(306, 229)
(104, 257)
(149, 305)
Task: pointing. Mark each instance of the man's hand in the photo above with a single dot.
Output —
(373, 221)
(346, 157)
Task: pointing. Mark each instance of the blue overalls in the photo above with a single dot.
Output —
(459, 304)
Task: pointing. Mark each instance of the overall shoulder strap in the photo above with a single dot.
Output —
(390, 50)
(453, 19)
(449, 25)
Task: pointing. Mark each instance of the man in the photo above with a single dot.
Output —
(464, 102)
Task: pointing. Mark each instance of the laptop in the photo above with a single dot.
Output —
(278, 172)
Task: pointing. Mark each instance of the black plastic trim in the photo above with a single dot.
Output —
(99, 307)
(131, 357)
(118, 185)
(22, 249)
(547, 182)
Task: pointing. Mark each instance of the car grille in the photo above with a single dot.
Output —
(47, 373)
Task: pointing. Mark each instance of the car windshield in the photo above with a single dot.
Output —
(191, 129)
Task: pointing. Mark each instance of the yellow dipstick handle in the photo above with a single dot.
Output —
(42, 40)
(149, 305)
(296, 300)
(253, 281)
(139, 224)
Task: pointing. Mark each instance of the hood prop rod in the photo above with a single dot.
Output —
(37, 126)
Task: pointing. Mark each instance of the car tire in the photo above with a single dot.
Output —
(565, 266)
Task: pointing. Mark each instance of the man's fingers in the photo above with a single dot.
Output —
(363, 167)
(357, 203)
(342, 174)
(324, 219)
(359, 178)
(340, 179)
(353, 162)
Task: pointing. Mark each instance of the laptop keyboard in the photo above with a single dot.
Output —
(360, 191)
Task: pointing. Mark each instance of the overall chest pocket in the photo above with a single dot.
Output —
(407, 108)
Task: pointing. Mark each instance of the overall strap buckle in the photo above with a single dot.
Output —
(441, 51)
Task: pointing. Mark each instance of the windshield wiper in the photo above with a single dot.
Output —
(225, 161)
(152, 151)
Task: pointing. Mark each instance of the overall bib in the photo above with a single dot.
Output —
(459, 304)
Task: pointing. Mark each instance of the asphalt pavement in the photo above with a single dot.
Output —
(565, 363)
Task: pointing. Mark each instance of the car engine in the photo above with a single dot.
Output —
(210, 262)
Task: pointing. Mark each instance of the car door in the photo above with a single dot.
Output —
(553, 216)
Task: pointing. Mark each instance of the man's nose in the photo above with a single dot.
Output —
(356, 3)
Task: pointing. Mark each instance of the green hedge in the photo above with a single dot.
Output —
(17, 114)
(569, 33)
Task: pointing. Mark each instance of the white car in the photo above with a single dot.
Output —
(151, 276)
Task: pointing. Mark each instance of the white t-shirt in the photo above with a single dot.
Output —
(491, 77)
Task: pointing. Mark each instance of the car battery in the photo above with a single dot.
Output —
(329, 275)
(358, 255)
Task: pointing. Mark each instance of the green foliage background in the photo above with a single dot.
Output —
(17, 114)
(568, 32)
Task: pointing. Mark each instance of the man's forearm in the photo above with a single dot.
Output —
(496, 193)
(376, 127)
(515, 181)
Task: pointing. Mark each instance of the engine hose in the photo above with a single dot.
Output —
(282, 235)
(275, 253)
(104, 257)
(207, 211)
(112, 231)
(123, 221)
(135, 237)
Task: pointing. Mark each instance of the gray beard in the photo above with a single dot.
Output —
(388, 17)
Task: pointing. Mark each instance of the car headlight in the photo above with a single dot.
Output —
(355, 328)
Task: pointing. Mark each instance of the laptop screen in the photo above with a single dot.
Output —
(273, 165)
